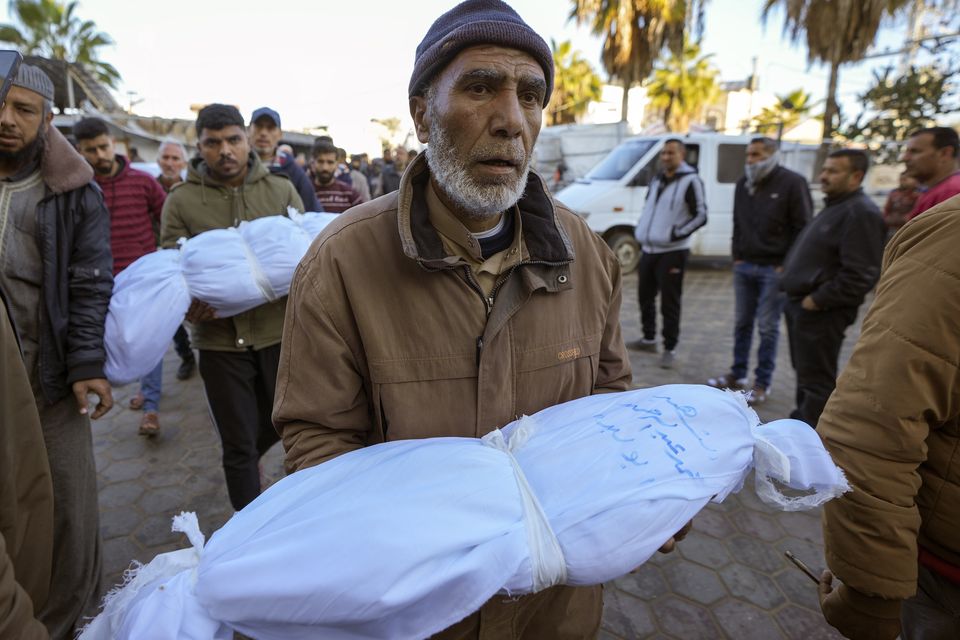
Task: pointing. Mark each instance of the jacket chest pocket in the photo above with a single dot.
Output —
(557, 372)
(424, 397)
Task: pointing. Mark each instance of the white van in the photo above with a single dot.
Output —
(611, 196)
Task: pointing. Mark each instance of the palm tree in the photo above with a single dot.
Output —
(682, 86)
(575, 85)
(837, 33)
(635, 32)
(787, 111)
(50, 29)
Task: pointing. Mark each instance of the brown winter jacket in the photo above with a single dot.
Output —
(26, 497)
(200, 204)
(387, 337)
(893, 423)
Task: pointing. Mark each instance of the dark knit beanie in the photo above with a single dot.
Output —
(477, 22)
(34, 79)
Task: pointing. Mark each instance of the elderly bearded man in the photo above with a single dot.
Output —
(464, 299)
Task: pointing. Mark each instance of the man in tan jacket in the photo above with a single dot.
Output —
(463, 300)
(893, 425)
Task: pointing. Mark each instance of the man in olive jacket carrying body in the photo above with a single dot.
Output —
(238, 356)
(463, 300)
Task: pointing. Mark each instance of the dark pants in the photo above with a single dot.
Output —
(181, 341)
(815, 341)
(760, 302)
(661, 273)
(934, 613)
(240, 388)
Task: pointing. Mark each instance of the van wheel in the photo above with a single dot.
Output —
(625, 247)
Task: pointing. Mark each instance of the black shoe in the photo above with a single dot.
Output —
(187, 365)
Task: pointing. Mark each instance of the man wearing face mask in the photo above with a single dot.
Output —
(770, 208)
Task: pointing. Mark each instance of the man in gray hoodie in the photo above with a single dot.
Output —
(674, 209)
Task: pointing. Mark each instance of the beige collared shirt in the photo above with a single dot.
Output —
(457, 240)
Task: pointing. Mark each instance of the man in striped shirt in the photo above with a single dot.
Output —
(135, 200)
(335, 196)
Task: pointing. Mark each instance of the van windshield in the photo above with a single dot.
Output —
(620, 160)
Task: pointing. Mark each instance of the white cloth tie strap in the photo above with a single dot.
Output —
(259, 277)
(548, 566)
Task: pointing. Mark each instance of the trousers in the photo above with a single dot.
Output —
(661, 273)
(240, 387)
(815, 341)
(759, 302)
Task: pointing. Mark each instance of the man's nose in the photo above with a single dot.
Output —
(6, 116)
(508, 117)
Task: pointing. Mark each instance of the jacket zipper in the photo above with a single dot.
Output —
(489, 300)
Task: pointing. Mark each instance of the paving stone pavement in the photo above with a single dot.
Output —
(728, 579)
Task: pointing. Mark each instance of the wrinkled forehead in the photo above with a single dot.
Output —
(21, 96)
(494, 62)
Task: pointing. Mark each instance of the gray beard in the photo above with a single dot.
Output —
(478, 201)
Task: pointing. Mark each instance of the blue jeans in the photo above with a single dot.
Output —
(760, 301)
(150, 385)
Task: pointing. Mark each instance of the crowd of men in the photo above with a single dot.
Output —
(455, 282)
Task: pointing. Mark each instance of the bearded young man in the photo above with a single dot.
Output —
(463, 300)
(56, 269)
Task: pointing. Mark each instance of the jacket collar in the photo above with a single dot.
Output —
(544, 237)
(62, 168)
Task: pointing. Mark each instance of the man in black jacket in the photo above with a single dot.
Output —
(828, 272)
(56, 267)
(770, 208)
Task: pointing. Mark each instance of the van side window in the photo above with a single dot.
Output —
(645, 175)
(730, 161)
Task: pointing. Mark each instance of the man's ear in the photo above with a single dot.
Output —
(421, 119)
(49, 118)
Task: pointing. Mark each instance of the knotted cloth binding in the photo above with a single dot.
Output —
(259, 277)
(548, 566)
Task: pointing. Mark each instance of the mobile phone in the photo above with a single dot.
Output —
(9, 65)
(800, 565)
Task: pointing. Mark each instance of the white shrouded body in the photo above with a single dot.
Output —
(402, 539)
(233, 270)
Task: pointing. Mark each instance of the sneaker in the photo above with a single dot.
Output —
(727, 381)
(643, 344)
(136, 402)
(667, 359)
(149, 424)
(758, 395)
(187, 365)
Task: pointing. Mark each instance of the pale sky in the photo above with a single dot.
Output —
(342, 63)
